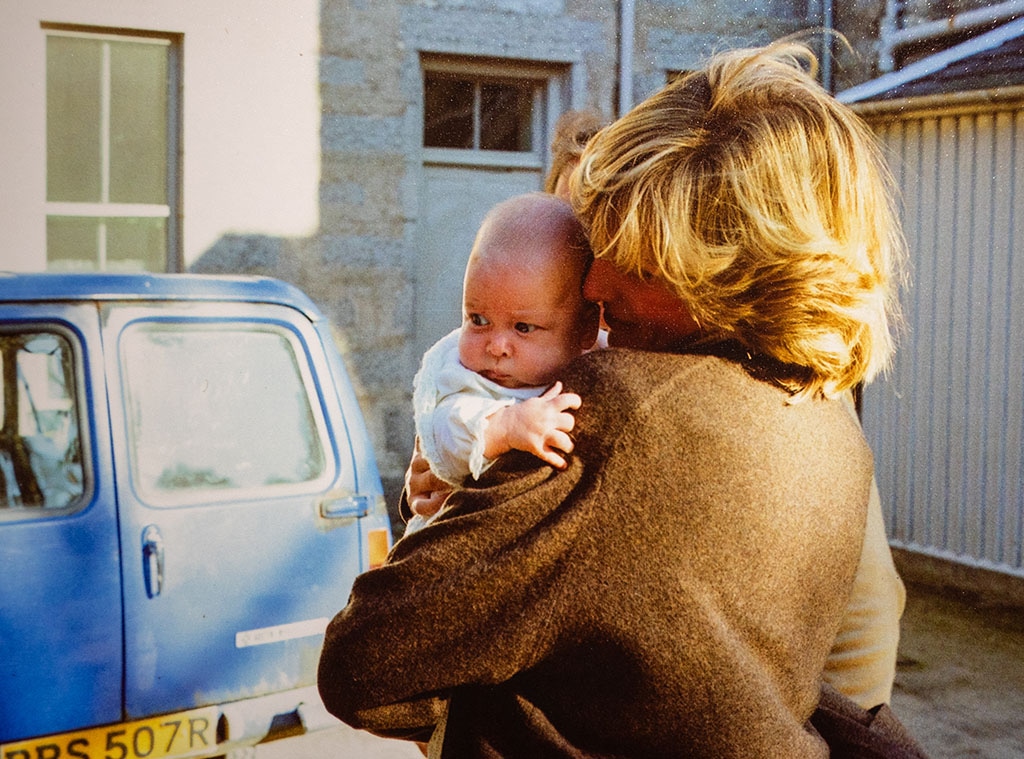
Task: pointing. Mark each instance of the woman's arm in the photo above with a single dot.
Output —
(465, 601)
(425, 492)
(701, 543)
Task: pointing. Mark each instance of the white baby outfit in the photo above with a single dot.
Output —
(451, 404)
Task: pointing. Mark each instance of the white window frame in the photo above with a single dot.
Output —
(546, 108)
(103, 208)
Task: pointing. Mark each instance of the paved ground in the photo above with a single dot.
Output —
(338, 743)
(960, 678)
(959, 687)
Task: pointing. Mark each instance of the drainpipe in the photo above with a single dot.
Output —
(893, 37)
(826, 47)
(890, 27)
(627, 18)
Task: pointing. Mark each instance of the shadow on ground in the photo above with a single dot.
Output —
(960, 676)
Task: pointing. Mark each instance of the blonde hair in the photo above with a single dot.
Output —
(766, 205)
(572, 131)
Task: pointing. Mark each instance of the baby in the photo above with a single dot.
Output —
(491, 385)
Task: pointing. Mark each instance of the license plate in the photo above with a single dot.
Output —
(172, 735)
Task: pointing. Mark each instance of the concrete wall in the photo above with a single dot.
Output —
(362, 262)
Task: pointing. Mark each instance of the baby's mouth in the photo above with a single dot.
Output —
(500, 378)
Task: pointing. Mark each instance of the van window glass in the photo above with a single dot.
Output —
(40, 448)
(215, 407)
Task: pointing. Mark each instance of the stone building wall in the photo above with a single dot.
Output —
(359, 267)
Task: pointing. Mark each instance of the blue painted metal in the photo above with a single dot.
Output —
(103, 286)
(126, 607)
(60, 583)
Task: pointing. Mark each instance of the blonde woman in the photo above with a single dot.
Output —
(774, 224)
(675, 590)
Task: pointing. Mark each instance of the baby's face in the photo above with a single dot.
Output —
(520, 329)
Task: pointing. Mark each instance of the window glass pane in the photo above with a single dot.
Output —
(136, 244)
(71, 243)
(138, 122)
(448, 112)
(74, 243)
(40, 449)
(73, 69)
(506, 121)
(217, 408)
(108, 142)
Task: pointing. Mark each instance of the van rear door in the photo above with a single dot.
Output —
(227, 451)
(60, 583)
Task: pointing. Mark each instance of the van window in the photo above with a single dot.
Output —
(216, 407)
(40, 448)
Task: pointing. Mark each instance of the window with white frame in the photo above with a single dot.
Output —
(111, 151)
(473, 115)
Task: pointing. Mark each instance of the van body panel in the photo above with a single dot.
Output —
(228, 494)
(60, 588)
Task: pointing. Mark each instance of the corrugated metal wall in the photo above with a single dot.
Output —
(946, 424)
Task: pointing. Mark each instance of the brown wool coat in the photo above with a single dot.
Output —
(673, 593)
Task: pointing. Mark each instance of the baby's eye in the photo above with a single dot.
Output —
(478, 320)
(525, 328)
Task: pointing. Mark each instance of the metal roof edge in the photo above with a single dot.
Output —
(963, 101)
(40, 286)
(932, 63)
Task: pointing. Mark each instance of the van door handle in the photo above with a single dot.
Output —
(341, 505)
(153, 560)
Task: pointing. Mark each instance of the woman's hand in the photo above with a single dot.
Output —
(426, 492)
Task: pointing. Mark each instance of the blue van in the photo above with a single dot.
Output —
(187, 492)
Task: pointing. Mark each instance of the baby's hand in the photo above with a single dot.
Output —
(540, 426)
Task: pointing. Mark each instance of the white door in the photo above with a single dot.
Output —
(947, 423)
(455, 200)
(485, 137)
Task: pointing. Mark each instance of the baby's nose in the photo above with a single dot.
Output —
(499, 346)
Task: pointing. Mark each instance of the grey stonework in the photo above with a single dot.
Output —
(359, 267)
